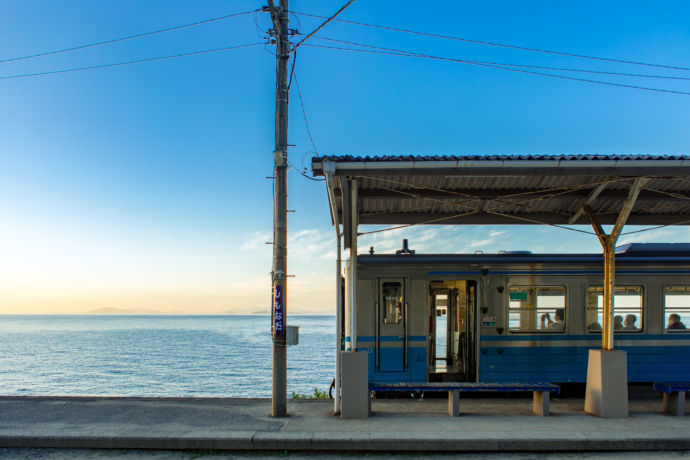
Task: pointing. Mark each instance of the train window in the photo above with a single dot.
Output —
(628, 304)
(392, 302)
(676, 308)
(536, 309)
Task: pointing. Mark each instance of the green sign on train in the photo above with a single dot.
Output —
(518, 295)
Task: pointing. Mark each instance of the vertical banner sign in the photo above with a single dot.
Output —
(278, 313)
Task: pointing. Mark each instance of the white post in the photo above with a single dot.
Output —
(353, 264)
(348, 306)
(338, 327)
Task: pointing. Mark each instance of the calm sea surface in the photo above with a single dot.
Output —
(158, 355)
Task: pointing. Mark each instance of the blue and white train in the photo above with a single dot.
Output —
(518, 316)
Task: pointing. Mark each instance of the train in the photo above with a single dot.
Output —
(516, 316)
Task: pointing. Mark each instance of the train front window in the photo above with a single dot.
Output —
(628, 303)
(536, 309)
(392, 303)
(676, 308)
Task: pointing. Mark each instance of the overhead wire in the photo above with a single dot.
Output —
(129, 37)
(657, 227)
(323, 24)
(303, 174)
(562, 69)
(403, 53)
(292, 69)
(137, 61)
(502, 45)
(306, 122)
(304, 113)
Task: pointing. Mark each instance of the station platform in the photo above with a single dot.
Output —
(408, 425)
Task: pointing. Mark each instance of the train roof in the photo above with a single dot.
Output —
(653, 248)
(629, 253)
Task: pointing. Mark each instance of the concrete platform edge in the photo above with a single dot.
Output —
(305, 442)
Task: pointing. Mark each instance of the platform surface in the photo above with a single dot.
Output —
(486, 424)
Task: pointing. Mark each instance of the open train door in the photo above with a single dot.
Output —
(471, 342)
(452, 331)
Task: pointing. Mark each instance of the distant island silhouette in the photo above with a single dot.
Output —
(148, 311)
(123, 311)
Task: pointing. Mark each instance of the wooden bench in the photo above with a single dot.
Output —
(541, 390)
(674, 396)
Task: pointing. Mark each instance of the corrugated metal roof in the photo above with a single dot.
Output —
(362, 158)
(509, 189)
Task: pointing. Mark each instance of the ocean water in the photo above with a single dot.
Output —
(197, 356)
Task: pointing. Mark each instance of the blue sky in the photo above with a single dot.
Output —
(143, 186)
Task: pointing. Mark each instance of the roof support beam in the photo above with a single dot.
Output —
(628, 206)
(451, 195)
(588, 201)
(472, 216)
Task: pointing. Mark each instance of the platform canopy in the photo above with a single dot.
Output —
(504, 189)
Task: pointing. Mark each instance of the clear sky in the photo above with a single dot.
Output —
(143, 186)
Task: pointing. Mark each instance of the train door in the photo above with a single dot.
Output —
(440, 341)
(452, 331)
(471, 342)
(391, 340)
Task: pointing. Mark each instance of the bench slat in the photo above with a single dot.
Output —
(672, 387)
(463, 386)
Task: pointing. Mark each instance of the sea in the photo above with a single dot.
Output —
(159, 356)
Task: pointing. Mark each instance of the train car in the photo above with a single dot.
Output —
(518, 316)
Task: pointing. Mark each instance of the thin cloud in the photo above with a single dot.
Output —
(257, 241)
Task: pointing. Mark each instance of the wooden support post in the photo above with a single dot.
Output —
(674, 403)
(540, 403)
(453, 403)
(279, 16)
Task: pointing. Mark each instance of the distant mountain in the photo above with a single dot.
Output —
(122, 311)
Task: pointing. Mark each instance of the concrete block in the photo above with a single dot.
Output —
(540, 404)
(453, 403)
(607, 383)
(355, 385)
(674, 403)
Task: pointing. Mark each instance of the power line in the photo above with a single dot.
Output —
(130, 37)
(323, 24)
(562, 69)
(77, 69)
(292, 69)
(394, 52)
(502, 45)
(304, 113)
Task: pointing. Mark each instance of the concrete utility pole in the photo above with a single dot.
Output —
(279, 16)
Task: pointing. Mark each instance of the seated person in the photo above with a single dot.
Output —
(617, 323)
(674, 322)
(595, 326)
(550, 325)
(629, 323)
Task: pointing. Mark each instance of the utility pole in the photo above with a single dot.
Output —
(279, 16)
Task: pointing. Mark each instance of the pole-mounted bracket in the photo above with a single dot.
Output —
(280, 157)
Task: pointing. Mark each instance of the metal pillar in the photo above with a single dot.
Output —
(279, 16)
(609, 284)
(353, 264)
(338, 328)
(607, 376)
(329, 170)
(608, 243)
